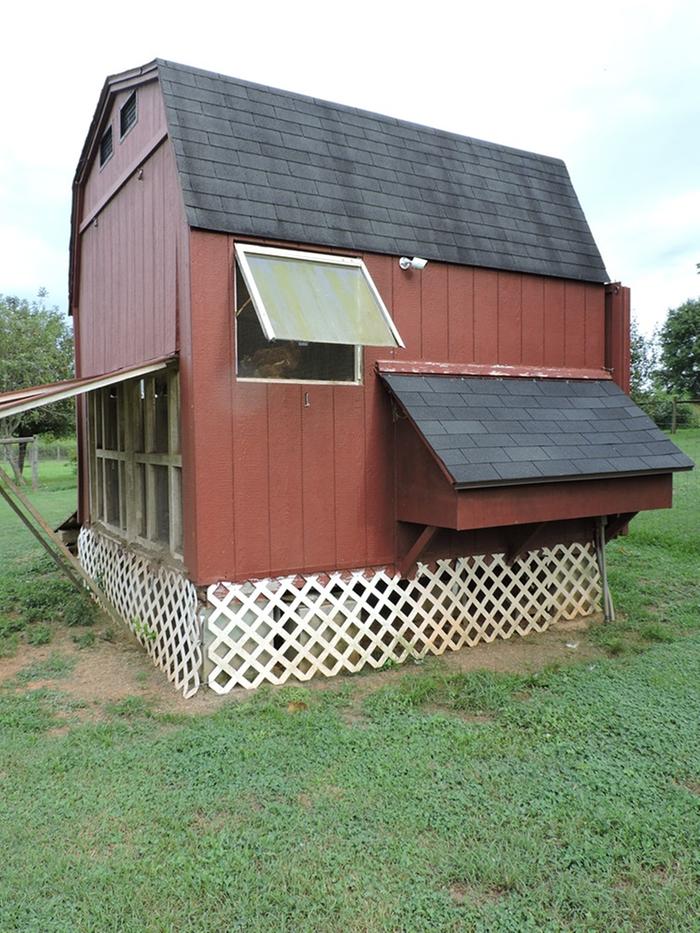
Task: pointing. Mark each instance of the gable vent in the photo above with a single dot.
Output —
(127, 115)
(106, 146)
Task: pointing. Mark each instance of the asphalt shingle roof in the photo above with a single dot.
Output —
(259, 161)
(500, 431)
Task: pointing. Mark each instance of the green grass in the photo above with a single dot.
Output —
(56, 499)
(564, 800)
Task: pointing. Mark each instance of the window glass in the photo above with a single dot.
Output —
(260, 358)
(300, 297)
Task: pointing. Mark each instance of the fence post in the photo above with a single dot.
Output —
(34, 459)
(674, 416)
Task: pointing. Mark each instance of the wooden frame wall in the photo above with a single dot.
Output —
(134, 517)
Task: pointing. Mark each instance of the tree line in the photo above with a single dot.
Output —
(666, 366)
(36, 347)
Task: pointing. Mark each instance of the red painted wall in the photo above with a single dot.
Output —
(133, 246)
(127, 297)
(274, 487)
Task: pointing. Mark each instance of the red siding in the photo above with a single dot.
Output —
(150, 126)
(284, 487)
(617, 333)
(127, 299)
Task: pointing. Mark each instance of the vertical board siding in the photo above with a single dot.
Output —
(509, 317)
(460, 314)
(251, 489)
(285, 472)
(149, 125)
(318, 476)
(311, 487)
(434, 312)
(485, 316)
(206, 412)
(594, 341)
(128, 280)
(554, 322)
(350, 493)
(574, 324)
(533, 320)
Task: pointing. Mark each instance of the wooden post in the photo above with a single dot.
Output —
(52, 543)
(34, 460)
(674, 416)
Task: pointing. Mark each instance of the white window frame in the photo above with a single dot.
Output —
(244, 249)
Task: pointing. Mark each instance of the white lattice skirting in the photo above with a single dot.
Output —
(159, 606)
(274, 629)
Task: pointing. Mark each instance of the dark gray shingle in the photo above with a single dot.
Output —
(442, 196)
(531, 444)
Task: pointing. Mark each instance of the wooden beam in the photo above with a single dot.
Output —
(487, 369)
(617, 524)
(522, 542)
(416, 549)
(60, 554)
(137, 163)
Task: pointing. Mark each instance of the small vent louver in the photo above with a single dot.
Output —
(127, 115)
(106, 146)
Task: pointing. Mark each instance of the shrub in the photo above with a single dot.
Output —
(39, 635)
(80, 610)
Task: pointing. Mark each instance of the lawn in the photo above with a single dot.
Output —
(564, 799)
(55, 498)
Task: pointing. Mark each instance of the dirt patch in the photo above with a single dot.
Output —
(353, 716)
(692, 786)
(111, 670)
(105, 673)
(461, 894)
(476, 719)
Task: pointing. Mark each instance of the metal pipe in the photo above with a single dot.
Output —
(608, 607)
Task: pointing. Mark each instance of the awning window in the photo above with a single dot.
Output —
(315, 298)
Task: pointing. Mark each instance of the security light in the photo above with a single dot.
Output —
(415, 263)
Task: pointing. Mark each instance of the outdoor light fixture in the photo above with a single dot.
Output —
(415, 263)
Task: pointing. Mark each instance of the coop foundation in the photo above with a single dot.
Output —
(158, 604)
(271, 630)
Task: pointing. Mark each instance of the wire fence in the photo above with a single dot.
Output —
(670, 414)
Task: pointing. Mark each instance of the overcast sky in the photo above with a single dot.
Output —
(612, 88)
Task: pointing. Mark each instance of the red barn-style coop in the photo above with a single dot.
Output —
(363, 384)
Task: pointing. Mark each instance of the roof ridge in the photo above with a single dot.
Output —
(360, 111)
(260, 161)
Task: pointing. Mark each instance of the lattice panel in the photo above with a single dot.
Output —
(271, 630)
(159, 606)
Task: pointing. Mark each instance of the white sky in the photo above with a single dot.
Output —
(613, 88)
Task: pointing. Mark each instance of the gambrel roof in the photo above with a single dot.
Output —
(258, 161)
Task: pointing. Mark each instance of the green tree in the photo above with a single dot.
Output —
(679, 342)
(36, 346)
(643, 363)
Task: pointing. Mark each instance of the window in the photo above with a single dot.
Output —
(304, 316)
(127, 115)
(135, 477)
(106, 146)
